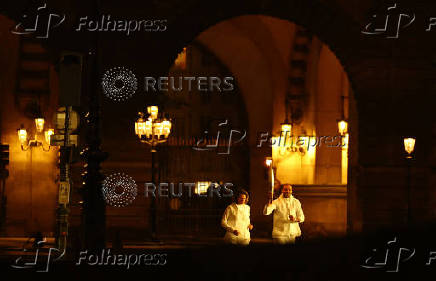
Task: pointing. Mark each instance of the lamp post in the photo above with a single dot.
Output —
(152, 130)
(286, 128)
(342, 127)
(27, 143)
(409, 147)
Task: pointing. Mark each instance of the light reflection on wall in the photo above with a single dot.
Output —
(344, 160)
(31, 187)
(294, 159)
(180, 61)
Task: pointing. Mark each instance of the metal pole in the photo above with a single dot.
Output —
(409, 211)
(94, 206)
(62, 210)
(153, 199)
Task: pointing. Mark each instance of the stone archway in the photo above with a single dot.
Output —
(329, 26)
(379, 72)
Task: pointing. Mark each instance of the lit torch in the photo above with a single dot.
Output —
(268, 163)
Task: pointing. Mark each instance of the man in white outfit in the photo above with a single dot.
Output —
(236, 220)
(287, 216)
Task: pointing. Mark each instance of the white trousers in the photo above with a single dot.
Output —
(284, 240)
(230, 238)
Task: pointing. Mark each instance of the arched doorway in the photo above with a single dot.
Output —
(287, 73)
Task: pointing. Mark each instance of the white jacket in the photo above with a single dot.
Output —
(237, 217)
(283, 207)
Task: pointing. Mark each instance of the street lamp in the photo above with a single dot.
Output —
(34, 142)
(48, 133)
(152, 130)
(39, 124)
(342, 127)
(409, 147)
(286, 127)
(343, 131)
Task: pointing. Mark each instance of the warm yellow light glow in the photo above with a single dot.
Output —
(48, 134)
(201, 187)
(342, 127)
(295, 161)
(268, 163)
(158, 129)
(286, 128)
(181, 59)
(39, 123)
(303, 142)
(345, 140)
(166, 128)
(409, 145)
(140, 127)
(149, 128)
(153, 111)
(344, 159)
(288, 144)
(22, 136)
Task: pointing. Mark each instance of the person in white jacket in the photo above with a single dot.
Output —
(236, 220)
(288, 214)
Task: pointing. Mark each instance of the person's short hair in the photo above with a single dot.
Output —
(239, 192)
(283, 185)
